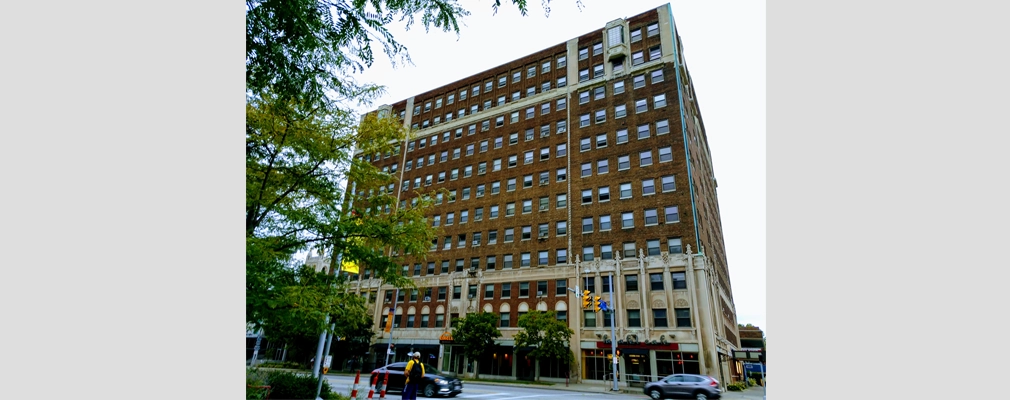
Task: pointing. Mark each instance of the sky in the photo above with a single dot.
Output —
(724, 49)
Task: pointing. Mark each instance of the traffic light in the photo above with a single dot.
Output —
(586, 299)
(596, 303)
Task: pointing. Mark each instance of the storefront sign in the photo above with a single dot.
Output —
(446, 338)
(631, 342)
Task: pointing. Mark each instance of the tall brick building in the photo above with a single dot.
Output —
(583, 161)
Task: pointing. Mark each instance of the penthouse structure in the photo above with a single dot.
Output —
(584, 165)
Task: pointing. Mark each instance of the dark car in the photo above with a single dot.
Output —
(432, 384)
(689, 386)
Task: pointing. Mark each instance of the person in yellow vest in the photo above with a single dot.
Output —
(414, 372)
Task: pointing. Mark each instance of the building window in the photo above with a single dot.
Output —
(679, 280)
(626, 190)
(659, 100)
(674, 245)
(504, 320)
(662, 127)
(629, 250)
(643, 131)
(587, 196)
(606, 252)
(623, 163)
(488, 291)
(634, 319)
(506, 290)
(542, 259)
(652, 218)
(655, 53)
(668, 183)
(656, 282)
(587, 169)
(562, 103)
(587, 225)
(583, 75)
(524, 287)
(659, 318)
(605, 222)
(648, 187)
(602, 166)
(584, 97)
(631, 283)
(637, 58)
(583, 53)
(560, 287)
(618, 87)
(636, 35)
(527, 232)
(506, 263)
(620, 111)
(562, 174)
(562, 126)
(641, 106)
(495, 187)
(561, 201)
(561, 150)
(510, 210)
(627, 220)
(601, 116)
(665, 154)
(653, 30)
(645, 158)
(672, 216)
(584, 120)
(622, 136)
(683, 317)
(597, 71)
(656, 76)
(492, 238)
(638, 81)
(604, 193)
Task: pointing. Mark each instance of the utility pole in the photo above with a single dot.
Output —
(392, 315)
(613, 331)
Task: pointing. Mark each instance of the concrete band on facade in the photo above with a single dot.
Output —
(673, 303)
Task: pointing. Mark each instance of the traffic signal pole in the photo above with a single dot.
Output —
(391, 325)
(613, 331)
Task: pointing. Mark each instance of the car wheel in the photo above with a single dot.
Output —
(655, 394)
(700, 396)
(429, 391)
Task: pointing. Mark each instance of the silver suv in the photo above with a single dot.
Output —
(690, 386)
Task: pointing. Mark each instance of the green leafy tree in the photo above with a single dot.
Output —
(477, 332)
(297, 159)
(548, 336)
(301, 57)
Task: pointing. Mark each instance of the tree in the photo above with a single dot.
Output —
(477, 332)
(301, 56)
(548, 336)
(297, 158)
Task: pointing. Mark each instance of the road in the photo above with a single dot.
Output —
(490, 391)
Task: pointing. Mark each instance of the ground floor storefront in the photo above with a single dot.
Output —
(639, 363)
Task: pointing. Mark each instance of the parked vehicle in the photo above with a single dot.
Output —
(434, 383)
(689, 386)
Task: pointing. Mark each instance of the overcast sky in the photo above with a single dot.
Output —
(724, 48)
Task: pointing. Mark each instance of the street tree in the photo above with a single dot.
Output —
(548, 336)
(301, 58)
(477, 332)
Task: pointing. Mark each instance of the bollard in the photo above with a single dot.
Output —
(354, 392)
(371, 389)
(382, 394)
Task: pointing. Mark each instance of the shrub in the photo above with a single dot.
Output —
(288, 385)
(255, 380)
(752, 381)
(736, 387)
